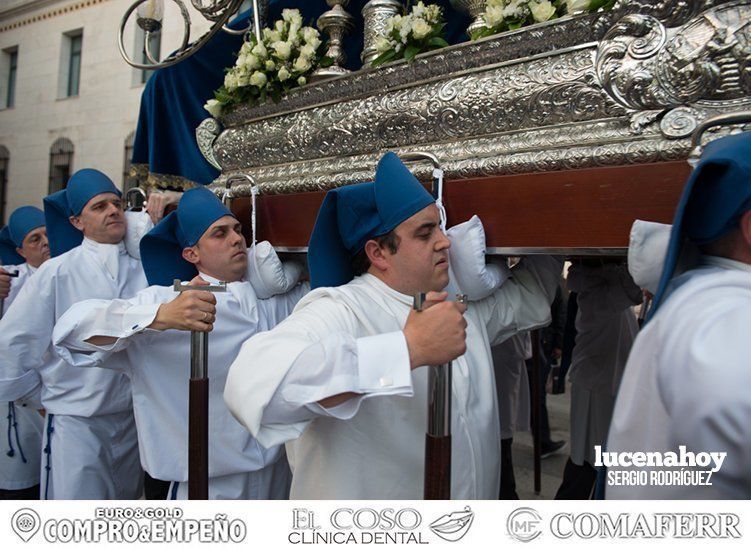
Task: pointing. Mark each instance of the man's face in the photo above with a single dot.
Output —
(421, 262)
(102, 219)
(35, 248)
(221, 251)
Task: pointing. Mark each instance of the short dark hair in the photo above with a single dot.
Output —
(360, 261)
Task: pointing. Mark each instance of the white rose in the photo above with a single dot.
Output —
(394, 23)
(272, 35)
(302, 80)
(214, 107)
(291, 16)
(308, 51)
(514, 10)
(405, 29)
(258, 79)
(279, 26)
(493, 16)
(284, 74)
(282, 49)
(243, 79)
(310, 34)
(418, 10)
(420, 29)
(270, 65)
(542, 11)
(251, 62)
(432, 13)
(302, 64)
(259, 50)
(574, 6)
(231, 81)
(382, 44)
(294, 31)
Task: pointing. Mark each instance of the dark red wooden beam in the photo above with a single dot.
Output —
(589, 208)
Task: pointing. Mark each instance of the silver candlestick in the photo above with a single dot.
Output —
(375, 14)
(475, 9)
(336, 23)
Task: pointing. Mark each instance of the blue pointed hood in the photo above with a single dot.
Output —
(58, 207)
(715, 197)
(353, 214)
(21, 222)
(162, 247)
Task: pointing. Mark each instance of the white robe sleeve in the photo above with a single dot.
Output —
(25, 334)
(523, 302)
(119, 318)
(279, 376)
(706, 394)
(278, 307)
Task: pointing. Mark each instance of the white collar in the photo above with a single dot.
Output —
(108, 255)
(242, 291)
(725, 263)
(379, 284)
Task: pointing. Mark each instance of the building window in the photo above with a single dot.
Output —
(10, 70)
(69, 81)
(129, 181)
(61, 164)
(4, 157)
(74, 64)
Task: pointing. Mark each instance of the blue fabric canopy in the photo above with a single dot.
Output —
(173, 99)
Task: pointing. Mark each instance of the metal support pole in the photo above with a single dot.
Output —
(536, 409)
(198, 406)
(438, 436)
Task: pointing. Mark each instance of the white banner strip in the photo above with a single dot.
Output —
(272, 524)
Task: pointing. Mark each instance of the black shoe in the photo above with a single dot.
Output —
(550, 448)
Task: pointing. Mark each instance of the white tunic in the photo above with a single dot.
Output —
(158, 365)
(687, 383)
(350, 338)
(28, 364)
(20, 460)
(24, 271)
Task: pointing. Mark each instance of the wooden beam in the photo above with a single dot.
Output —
(592, 208)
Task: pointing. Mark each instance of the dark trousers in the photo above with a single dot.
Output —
(508, 482)
(154, 488)
(24, 493)
(578, 481)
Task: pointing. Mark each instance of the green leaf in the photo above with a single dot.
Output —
(385, 57)
(411, 51)
(437, 42)
(326, 61)
(485, 31)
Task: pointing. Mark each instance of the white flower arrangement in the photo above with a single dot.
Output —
(503, 15)
(407, 35)
(284, 59)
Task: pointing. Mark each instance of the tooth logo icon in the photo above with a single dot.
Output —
(25, 523)
(454, 526)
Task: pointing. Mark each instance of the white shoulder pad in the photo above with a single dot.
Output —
(267, 274)
(472, 275)
(138, 224)
(647, 248)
